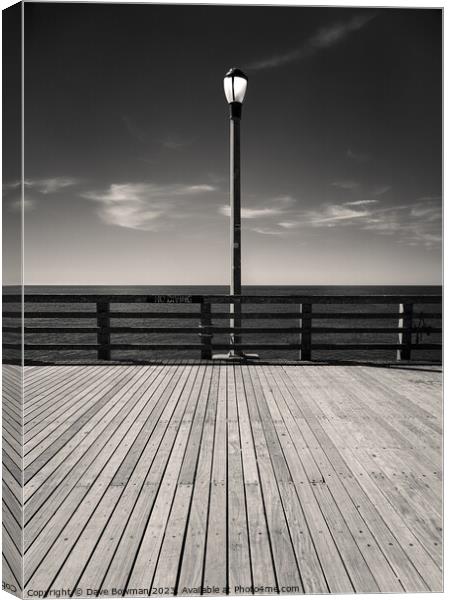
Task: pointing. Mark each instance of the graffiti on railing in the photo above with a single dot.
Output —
(166, 299)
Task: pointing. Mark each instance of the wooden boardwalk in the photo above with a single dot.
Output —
(172, 478)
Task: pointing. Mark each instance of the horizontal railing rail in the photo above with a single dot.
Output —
(411, 314)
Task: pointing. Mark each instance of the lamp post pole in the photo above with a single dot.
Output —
(235, 83)
(236, 256)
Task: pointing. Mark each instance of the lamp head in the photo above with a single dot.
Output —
(235, 84)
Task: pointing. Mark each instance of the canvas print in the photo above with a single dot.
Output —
(222, 231)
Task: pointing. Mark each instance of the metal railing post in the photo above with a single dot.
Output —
(305, 352)
(103, 335)
(206, 333)
(405, 336)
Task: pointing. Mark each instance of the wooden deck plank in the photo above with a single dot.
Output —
(36, 461)
(272, 468)
(48, 392)
(389, 420)
(61, 401)
(370, 565)
(424, 497)
(100, 445)
(332, 564)
(153, 533)
(416, 569)
(192, 562)
(166, 572)
(396, 556)
(261, 555)
(310, 567)
(82, 497)
(11, 497)
(215, 568)
(12, 554)
(49, 426)
(237, 477)
(175, 424)
(10, 578)
(127, 525)
(123, 555)
(79, 452)
(239, 562)
(419, 523)
(12, 501)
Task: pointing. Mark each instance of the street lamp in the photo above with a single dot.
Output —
(235, 83)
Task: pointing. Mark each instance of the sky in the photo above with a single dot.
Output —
(127, 145)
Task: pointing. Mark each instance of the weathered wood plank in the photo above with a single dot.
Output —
(215, 568)
(191, 568)
(175, 425)
(239, 565)
(261, 556)
(232, 476)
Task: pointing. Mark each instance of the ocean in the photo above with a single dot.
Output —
(267, 338)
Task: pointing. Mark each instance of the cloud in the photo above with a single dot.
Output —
(328, 215)
(345, 185)
(357, 156)
(250, 213)
(426, 212)
(16, 204)
(361, 202)
(288, 224)
(325, 37)
(44, 186)
(12, 185)
(334, 213)
(409, 225)
(146, 206)
(417, 223)
(50, 185)
(193, 189)
(267, 231)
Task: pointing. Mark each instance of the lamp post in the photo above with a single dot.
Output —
(235, 83)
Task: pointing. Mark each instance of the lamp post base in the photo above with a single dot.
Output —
(232, 357)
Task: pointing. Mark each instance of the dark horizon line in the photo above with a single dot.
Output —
(220, 285)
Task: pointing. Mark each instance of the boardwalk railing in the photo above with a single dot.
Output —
(53, 316)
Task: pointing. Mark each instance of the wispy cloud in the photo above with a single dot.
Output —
(412, 225)
(333, 214)
(416, 223)
(346, 185)
(11, 185)
(250, 213)
(268, 231)
(361, 202)
(16, 204)
(50, 185)
(325, 37)
(146, 206)
(270, 207)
